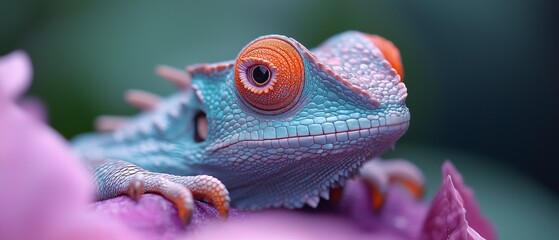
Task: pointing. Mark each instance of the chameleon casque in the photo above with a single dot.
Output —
(279, 126)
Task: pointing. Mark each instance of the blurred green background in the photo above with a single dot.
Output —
(481, 75)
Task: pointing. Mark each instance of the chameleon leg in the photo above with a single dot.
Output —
(115, 177)
(380, 174)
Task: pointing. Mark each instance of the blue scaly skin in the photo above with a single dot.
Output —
(327, 112)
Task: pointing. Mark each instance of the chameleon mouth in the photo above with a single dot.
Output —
(319, 136)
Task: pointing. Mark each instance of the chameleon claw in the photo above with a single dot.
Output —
(379, 175)
(377, 180)
(377, 197)
(179, 195)
(207, 188)
(182, 190)
(407, 174)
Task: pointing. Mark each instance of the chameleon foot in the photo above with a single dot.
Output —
(380, 174)
(115, 177)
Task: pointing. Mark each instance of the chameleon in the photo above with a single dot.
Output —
(279, 126)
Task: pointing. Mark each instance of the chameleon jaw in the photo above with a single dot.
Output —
(315, 135)
(335, 153)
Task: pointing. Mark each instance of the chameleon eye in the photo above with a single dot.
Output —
(269, 75)
(260, 74)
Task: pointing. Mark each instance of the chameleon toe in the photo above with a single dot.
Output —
(377, 197)
(179, 195)
(208, 188)
(379, 175)
(377, 180)
(407, 174)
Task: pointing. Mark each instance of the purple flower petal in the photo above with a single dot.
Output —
(37, 170)
(34, 107)
(44, 187)
(448, 216)
(156, 217)
(475, 218)
(15, 75)
(286, 224)
(401, 214)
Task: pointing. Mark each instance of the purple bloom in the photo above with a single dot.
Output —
(454, 213)
(15, 76)
(44, 189)
(46, 194)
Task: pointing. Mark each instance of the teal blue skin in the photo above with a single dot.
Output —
(345, 116)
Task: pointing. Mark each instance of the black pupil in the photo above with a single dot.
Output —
(260, 74)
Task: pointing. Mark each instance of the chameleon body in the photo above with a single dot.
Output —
(284, 124)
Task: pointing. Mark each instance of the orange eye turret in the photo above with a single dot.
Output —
(269, 75)
(390, 52)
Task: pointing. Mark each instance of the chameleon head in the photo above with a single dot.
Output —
(295, 123)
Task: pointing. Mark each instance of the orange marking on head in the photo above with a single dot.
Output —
(390, 52)
(285, 70)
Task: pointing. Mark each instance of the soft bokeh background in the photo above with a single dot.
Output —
(481, 75)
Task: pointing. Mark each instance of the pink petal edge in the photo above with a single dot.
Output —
(447, 217)
(474, 216)
(45, 188)
(454, 211)
(15, 74)
(34, 107)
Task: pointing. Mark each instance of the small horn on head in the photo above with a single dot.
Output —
(180, 78)
(141, 99)
(108, 123)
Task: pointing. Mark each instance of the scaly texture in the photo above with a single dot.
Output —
(284, 146)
